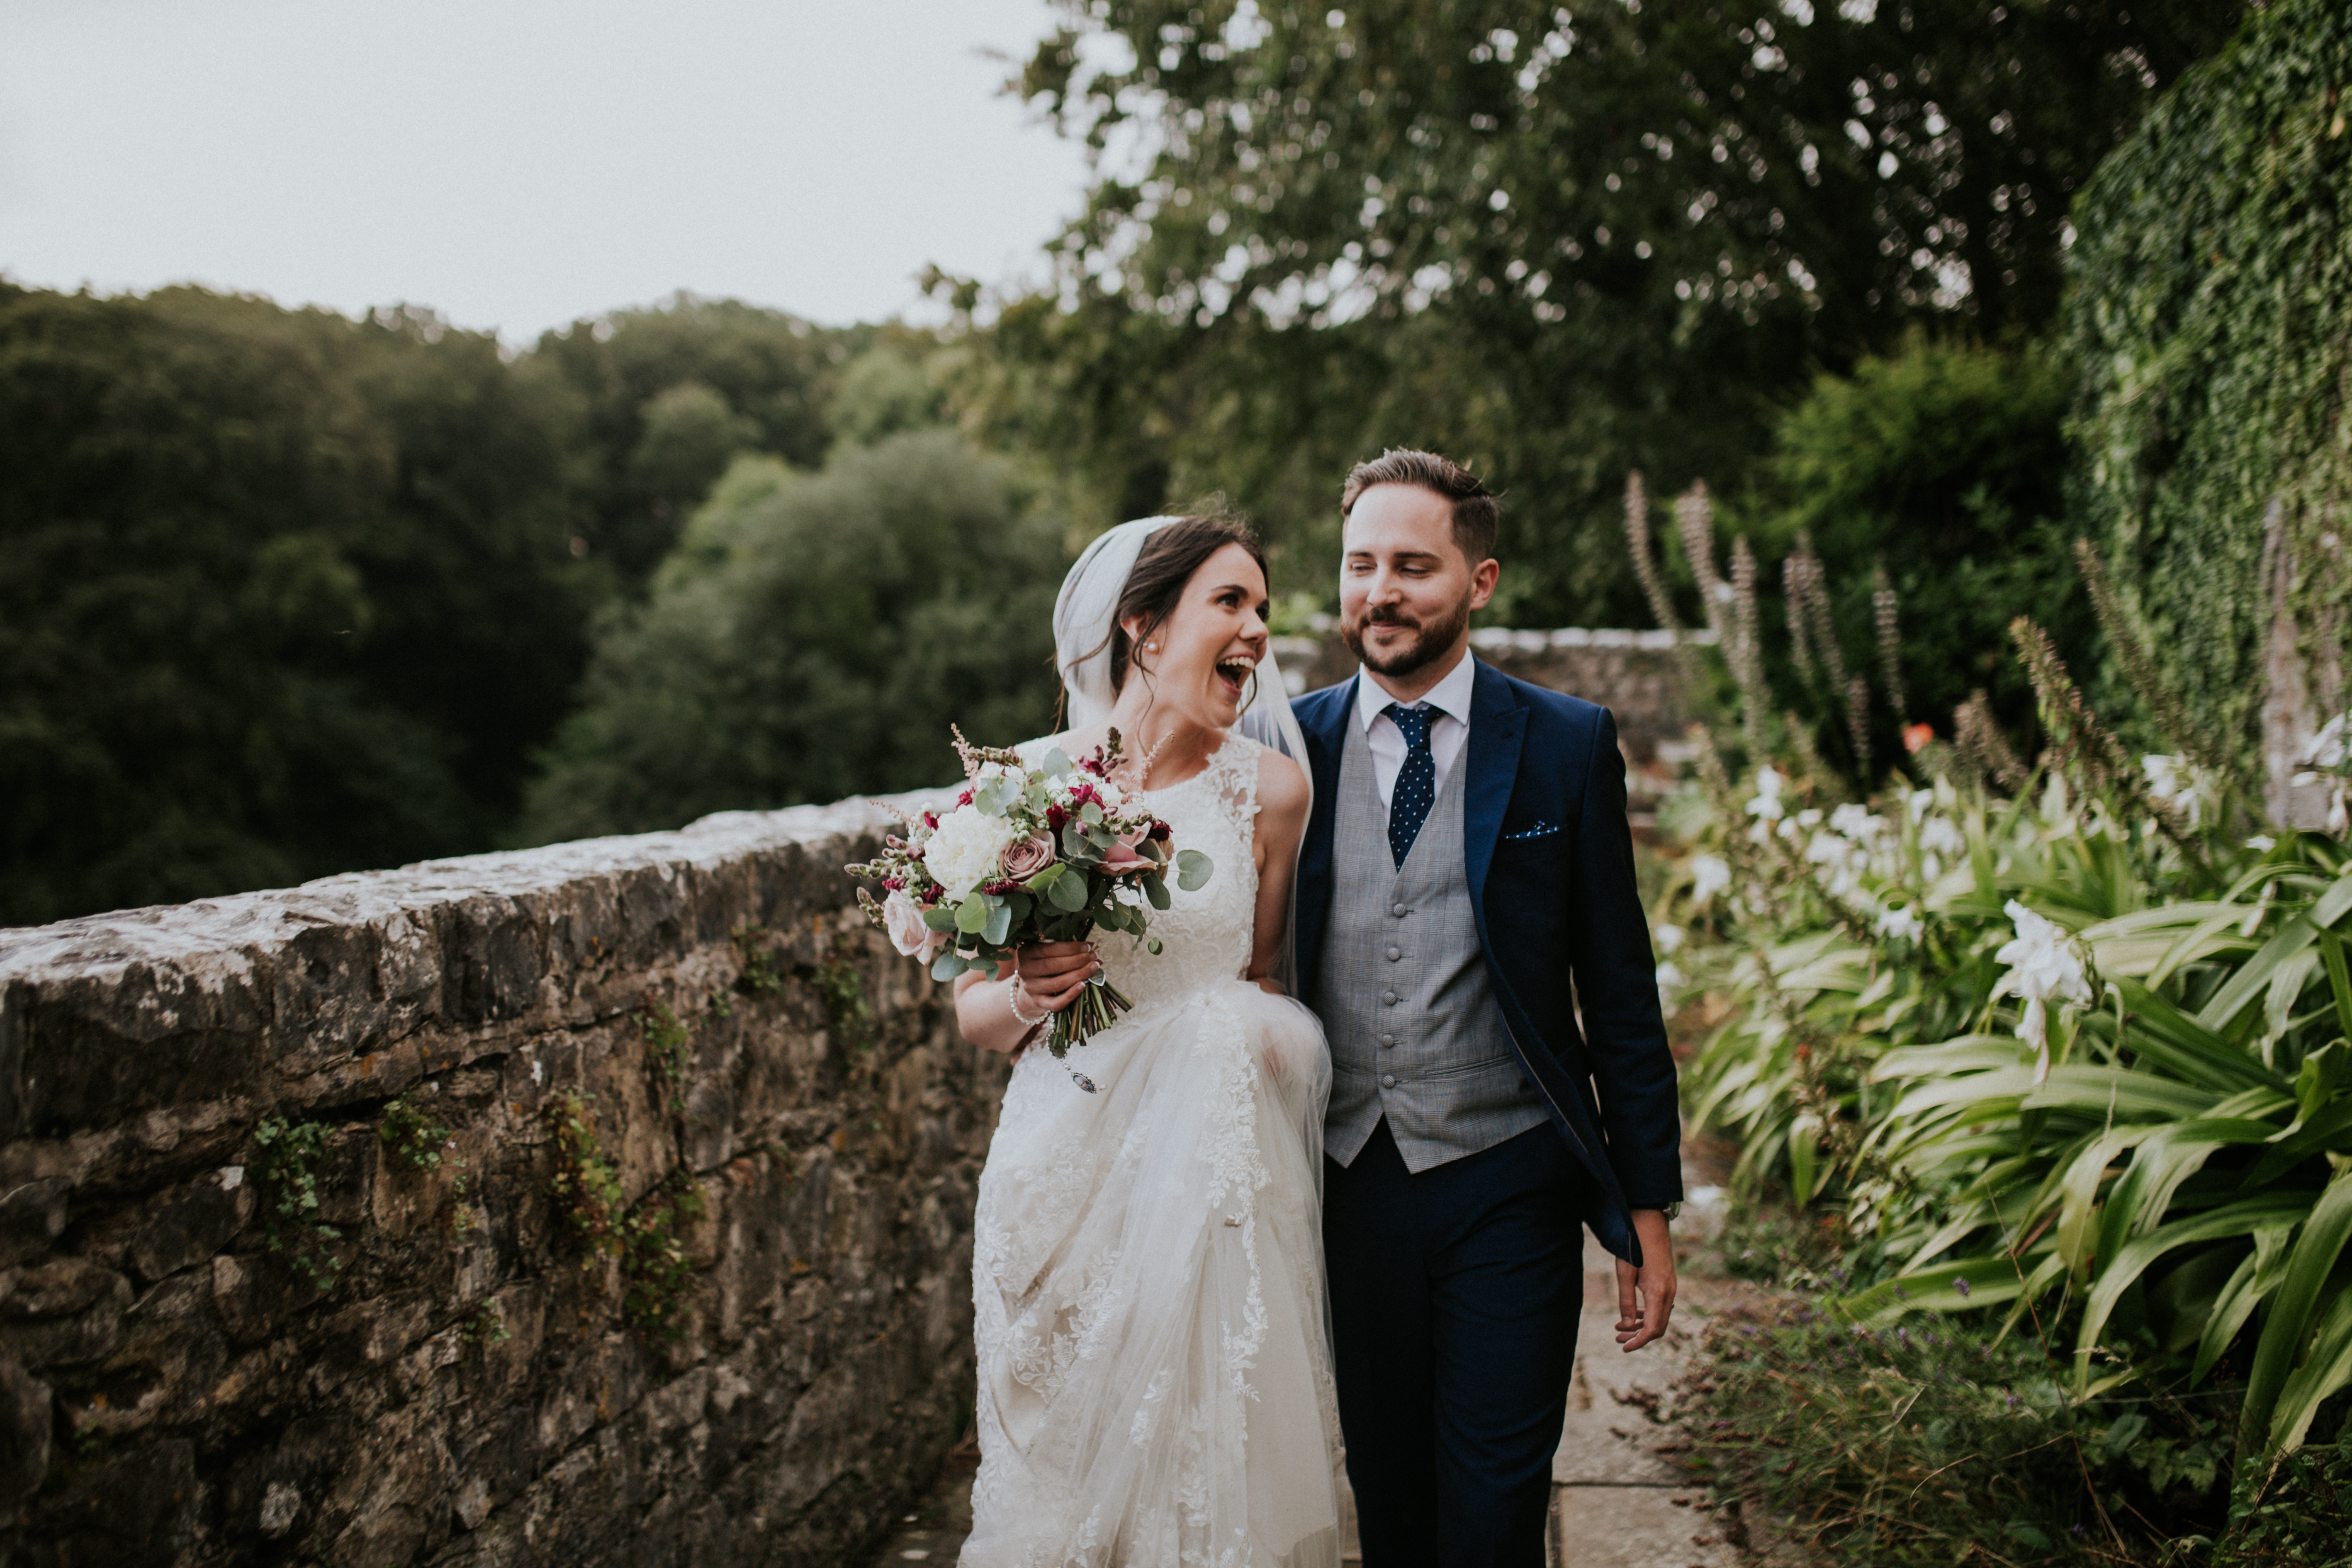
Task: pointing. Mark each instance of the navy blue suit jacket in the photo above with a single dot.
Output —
(1559, 921)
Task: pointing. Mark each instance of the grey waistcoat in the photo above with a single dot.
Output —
(1415, 1034)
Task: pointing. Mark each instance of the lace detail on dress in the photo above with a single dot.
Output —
(1154, 1384)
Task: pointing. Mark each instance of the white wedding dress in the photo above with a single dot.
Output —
(1155, 1376)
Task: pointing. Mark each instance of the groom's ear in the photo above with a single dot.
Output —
(1483, 578)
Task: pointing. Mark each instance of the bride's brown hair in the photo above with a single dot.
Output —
(1155, 584)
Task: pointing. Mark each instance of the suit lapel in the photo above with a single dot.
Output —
(1325, 726)
(1498, 726)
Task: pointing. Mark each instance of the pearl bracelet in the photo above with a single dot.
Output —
(1013, 1005)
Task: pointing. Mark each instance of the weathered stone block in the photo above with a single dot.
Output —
(188, 1224)
(25, 1422)
(32, 1216)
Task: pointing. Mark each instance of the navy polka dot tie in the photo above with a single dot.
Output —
(1416, 782)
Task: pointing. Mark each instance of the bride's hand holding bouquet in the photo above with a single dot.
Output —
(1030, 857)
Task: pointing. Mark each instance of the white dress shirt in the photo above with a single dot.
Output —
(1449, 723)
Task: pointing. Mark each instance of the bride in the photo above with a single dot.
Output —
(1155, 1378)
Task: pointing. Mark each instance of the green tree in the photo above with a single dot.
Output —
(254, 564)
(666, 395)
(812, 635)
(2213, 318)
(1558, 245)
(1944, 465)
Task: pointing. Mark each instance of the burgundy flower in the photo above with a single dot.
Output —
(1055, 816)
(964, 799)
(1160, 833)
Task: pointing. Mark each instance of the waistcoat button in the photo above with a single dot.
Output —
(1395, 953)
(1387, 1040)
(1397, 909)
(1388, 1080)
(1388, 998)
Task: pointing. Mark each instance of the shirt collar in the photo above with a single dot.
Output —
(1450, 696)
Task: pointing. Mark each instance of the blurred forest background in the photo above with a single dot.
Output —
(283, 593)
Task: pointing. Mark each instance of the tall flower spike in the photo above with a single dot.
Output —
(1645, 564)
(1884, 611)
(1793, 583)
(1984, 749)
(1653, 582)
(1744, 648)
(1695, 517)
(1817, 620)
(1857, 723)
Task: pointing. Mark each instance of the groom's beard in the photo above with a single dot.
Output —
(1404, 658)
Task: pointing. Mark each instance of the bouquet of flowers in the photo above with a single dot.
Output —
(1028, 855)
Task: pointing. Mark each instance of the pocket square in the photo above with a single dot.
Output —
(1540, 830)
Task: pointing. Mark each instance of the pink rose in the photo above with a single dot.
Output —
(908, 934)
(1121, 855)
(1025, 857)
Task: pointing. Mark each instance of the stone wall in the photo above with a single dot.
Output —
(572, 1309)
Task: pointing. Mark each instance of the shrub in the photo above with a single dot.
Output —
(813, 636)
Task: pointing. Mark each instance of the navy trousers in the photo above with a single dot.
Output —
(1454, 1296)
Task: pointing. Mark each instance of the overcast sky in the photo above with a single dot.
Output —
(517, 164)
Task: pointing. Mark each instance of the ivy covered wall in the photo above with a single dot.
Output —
(2211, 318)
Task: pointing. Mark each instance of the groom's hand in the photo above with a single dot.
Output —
(1052, 972)
(1645, 1296)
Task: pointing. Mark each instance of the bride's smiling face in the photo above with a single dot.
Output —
(1209, 647)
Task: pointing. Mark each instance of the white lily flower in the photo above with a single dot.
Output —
(1710, 874)
(1903, 924)
(2044, 967)
(1855, 822)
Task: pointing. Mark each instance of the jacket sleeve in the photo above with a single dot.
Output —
(1617, 990)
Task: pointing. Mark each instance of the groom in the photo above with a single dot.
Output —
(1469, 931)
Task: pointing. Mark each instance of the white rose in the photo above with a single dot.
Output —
(966, 850)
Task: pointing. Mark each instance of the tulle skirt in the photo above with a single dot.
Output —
(1155, 1373)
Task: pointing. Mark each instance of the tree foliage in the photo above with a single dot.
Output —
(1558, 245)
(2213, 320)
(254, 566)
(813, 636)
(1944, 466)
(666, 396)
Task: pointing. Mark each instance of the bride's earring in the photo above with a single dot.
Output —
(1151, 647)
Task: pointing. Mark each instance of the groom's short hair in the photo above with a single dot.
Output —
(1476, 508)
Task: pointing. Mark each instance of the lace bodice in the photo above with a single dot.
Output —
(1205, 937)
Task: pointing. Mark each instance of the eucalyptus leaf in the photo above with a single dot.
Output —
(947, 966)
(971, 915)
(1156, 890)
(1068, 892)
(940, 918)
(1000, 922)
(1193, 870)
(1057, 764)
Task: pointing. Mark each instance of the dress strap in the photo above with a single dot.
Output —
(1235, 781)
